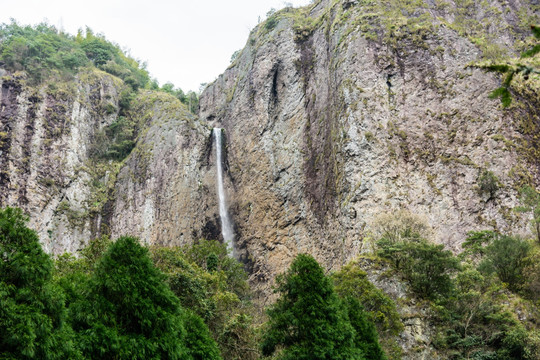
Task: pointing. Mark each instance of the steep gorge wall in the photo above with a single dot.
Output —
(334, 114)
(346, 110)
(51, 138)
(46, 134)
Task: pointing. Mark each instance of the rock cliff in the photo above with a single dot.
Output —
(334, 114)
(53, 138)
(345, 110)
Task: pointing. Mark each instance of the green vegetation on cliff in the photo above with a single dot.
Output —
(46, 54)
(484, 303)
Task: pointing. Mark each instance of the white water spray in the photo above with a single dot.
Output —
(226, 225)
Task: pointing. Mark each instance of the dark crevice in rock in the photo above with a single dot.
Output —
(11, 89)
(274, 90)
(29, 130)
(107, 211)
(273, 98)
(204, 160)
(389, 86)
(320, 163)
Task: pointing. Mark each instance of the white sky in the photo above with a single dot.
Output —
(186, 42)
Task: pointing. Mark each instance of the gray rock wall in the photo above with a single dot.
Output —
(163, 192)
(332, 123)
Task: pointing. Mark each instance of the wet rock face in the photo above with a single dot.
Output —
(327, 130)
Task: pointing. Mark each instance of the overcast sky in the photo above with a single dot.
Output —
(184, 42)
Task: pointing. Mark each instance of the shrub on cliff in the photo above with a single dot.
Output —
(426, 266)
(352, 281)
(507, 256)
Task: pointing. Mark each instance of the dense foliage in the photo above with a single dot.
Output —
(120, 300)
(309, 321)
(476, 297)
(214, 286)
(113, 303)
(32, 311)
(426, 266)
(44, 53)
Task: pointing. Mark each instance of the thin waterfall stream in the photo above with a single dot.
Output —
(226, 224)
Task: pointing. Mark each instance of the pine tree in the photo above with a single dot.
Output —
(32, 311)
(366, 337)
(131, 313)
(308, 321)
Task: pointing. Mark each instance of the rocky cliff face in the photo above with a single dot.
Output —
(52, 138)
(346, 110)
(46, 134)
(334, 114)
(165, 191)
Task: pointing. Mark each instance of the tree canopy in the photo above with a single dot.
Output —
(308, 321)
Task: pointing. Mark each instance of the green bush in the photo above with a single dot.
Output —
(32, 311)
(352, 281)
(488, 183)
(270, 23)
(427, 267)
(44, 52)
(214, 285)
(507, 256)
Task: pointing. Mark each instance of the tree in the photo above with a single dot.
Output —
(352, 281)
(32, 311)
(308, 321)
(366, 337)
(507, 256)
(199, 342)
(530, 200)
(426, 266)
(214, 286)
(130, 313)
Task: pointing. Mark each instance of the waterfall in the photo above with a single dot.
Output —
(226, 225)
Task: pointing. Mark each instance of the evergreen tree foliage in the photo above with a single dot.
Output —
(198, 339)
(130, 313)
(366, 337)
(308, 321)
(32, 311)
